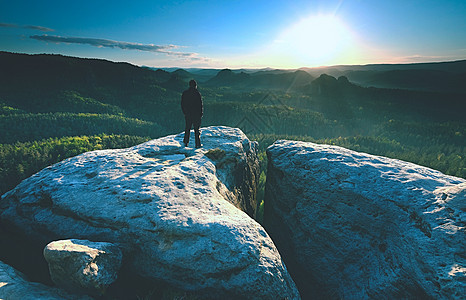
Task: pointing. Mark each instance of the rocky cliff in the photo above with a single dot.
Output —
(172, 210)
(356, 226)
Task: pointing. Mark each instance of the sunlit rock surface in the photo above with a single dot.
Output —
(82, 266)
(172, 210)
(14, 286)
(355, 226)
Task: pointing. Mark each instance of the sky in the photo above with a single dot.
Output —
(239, 34)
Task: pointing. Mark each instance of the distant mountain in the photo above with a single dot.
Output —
(272, 71)
(213, 72)
(228, 78)
(200, 75)
(183, 74)
(432, 77)
(162, 75)
(44, 74)
(439, 77)
(54, 83)
(329, 86)
(458, 66)
(416, 79)
(339, 98)
(271, 80)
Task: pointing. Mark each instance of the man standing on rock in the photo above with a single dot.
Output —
(192, 107)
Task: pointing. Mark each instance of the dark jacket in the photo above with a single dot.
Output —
(191, 103)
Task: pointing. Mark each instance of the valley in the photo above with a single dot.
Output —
(53, 107)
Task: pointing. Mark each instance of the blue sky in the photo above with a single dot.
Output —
(235, 34)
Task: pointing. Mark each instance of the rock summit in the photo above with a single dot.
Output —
(179, 215)
(356, 226)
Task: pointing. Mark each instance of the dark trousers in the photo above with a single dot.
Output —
(192, 122)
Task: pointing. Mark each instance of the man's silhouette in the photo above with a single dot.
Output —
(192, 107)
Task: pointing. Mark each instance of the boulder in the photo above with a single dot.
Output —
(82, 266)
(14, 286)
(172, 210)
(355, 226)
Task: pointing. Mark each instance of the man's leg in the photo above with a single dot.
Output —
(197, 133)
(187, 130)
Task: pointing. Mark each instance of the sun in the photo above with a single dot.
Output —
(314, 40)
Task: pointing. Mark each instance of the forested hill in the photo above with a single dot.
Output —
(51, 84)
(53, 107)
(44, 83)
(260, 80)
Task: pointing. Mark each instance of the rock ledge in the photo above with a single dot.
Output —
(172, 210)
(354, 225)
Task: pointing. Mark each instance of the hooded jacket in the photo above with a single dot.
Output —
(191, 103)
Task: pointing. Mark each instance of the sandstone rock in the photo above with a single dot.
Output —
(14, 286)
(82, 266)
(355, 226)
(172, 210)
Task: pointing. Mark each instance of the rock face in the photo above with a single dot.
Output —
(14, 286)
(356, 226)
(82, 266)
(172, 210)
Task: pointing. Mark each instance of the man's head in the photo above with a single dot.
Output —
(192, 83)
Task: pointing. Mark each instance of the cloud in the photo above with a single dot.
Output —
(40, 28)
(420, 58)
(103, 43)
(33, 27)
(8, 25)
(166, 49)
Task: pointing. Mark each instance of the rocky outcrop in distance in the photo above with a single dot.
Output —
(357, 226)
(176, 213)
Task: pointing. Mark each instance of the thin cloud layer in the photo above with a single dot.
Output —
(40, 28)
(166, 49)
(33, 27)
(8, 25)
(103, 43)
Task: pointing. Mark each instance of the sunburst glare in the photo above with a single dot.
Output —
(318, 39)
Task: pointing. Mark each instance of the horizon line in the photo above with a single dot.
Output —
(239, 68)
